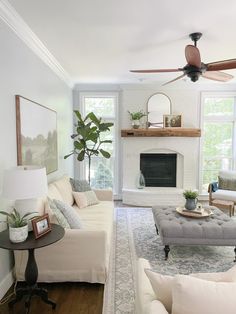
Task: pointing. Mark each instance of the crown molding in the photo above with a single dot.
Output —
(10, 16)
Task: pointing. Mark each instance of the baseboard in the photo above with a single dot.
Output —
(6, 283)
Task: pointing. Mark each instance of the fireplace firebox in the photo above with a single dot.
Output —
(159, 170)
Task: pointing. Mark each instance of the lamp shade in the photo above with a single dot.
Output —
(24, 182)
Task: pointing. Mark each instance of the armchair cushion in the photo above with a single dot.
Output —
(227, 184)
(225, 195)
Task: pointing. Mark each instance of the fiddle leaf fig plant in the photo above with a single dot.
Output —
(87, 138)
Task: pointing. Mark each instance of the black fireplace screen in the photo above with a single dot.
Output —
(159, 169)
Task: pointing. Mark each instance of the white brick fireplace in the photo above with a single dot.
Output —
(186, 148)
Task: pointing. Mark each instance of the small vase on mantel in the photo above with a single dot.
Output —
(135, 124)
(141, 181)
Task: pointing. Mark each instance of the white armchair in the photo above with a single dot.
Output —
(223, 192)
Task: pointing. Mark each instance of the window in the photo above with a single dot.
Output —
(218, 136)
(103, 171)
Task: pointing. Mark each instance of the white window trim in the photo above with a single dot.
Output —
(115, 118)
(215, 119)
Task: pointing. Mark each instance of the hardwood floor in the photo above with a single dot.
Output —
(71, 298)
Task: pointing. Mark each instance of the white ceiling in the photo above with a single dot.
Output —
(101, 40)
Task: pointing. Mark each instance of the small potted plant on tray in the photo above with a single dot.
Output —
(135, 118)
(18, 226)
(191, 199)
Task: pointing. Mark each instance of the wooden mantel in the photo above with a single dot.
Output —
(161, 132)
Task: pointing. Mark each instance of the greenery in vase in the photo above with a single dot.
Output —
(190, 194)
(14, 218)
(137, 115)
(87, 139)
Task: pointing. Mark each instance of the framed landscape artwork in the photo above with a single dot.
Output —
(36, 128)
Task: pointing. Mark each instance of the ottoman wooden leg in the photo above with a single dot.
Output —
(167, 250)
(235, 254)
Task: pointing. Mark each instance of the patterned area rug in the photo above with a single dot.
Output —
(135, 236)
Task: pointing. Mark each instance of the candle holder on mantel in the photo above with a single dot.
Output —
(141, 181)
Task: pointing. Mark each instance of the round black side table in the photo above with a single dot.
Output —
(31, 271)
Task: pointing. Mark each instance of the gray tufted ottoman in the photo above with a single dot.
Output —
(174, 229)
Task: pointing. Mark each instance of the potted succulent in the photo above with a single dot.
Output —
(191, 199)
(18, 226)
(135, 118)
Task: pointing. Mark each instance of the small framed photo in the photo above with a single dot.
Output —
(41, 225)
(172, 121)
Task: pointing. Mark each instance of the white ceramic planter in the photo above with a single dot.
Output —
(17, 235)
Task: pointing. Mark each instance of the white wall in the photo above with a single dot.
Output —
(23, 73)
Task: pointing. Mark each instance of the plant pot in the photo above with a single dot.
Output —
(191, 203)
(18, 235)
(135, 124)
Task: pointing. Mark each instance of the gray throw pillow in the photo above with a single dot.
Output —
(80, 185)
(70, 213)
(58, 214)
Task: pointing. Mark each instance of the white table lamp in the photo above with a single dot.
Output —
(25, 184)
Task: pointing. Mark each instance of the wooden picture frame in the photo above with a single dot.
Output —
(41, 226)
(172, 121)
(36, 131)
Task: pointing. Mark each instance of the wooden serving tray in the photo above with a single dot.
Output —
(192, 214)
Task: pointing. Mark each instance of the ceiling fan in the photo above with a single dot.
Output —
(195, 68)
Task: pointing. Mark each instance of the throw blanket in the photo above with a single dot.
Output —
(213, 186)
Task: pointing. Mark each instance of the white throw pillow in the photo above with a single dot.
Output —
(162, 284)
(60, 218)
(197, 296)
(70, 213)
(91, 198)
(80, 199)
(84, 199)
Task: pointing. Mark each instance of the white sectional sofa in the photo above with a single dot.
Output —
(145, 301)
(181, 294)
(83, 254)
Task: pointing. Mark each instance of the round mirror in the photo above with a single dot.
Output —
(158, 105)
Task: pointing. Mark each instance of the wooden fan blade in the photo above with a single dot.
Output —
(221, 65)
(177, 78)
(192, 56)
(217, 76)
(156, 71)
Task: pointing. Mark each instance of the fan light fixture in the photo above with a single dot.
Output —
(195, 68)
